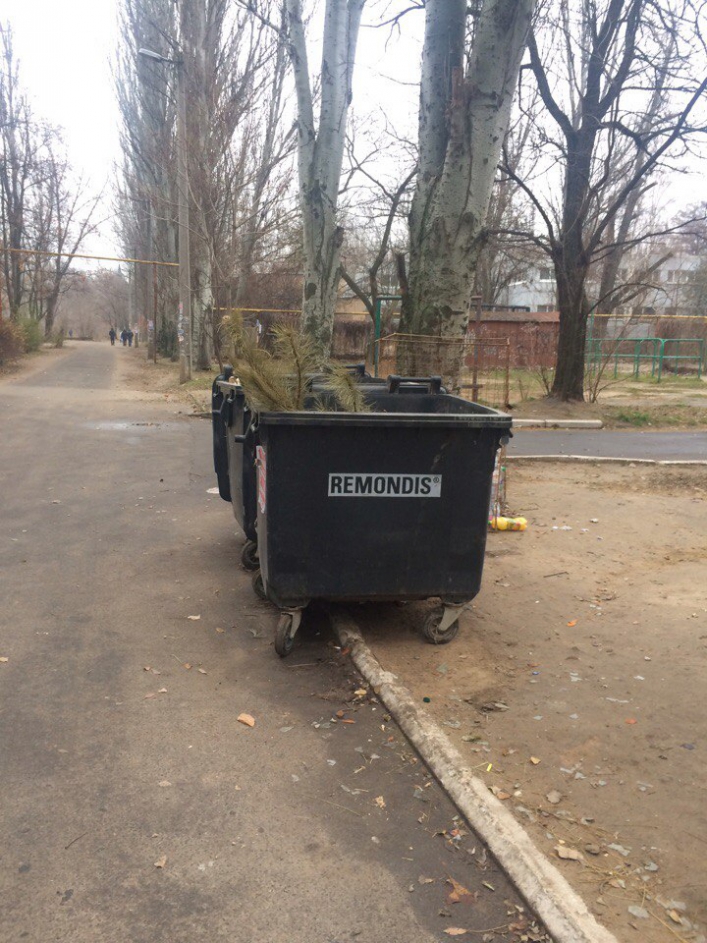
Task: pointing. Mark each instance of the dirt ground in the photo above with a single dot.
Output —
(579, 674)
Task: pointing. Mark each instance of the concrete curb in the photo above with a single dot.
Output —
(558, 424)
(546, 891)
(607, 460)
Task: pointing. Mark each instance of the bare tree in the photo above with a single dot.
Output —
(320, 155)
(146, 198)
(377, 205)
(619, 82)
(466, 93)
(20, 140)
(71, 217)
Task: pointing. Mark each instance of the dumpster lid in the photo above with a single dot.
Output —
(485, 418)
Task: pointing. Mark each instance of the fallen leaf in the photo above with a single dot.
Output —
(194, 618)
(187, 665)
(201, 671)
(246, 719)
(162, 691)
(455, 931)
(151, 695)
(347, 720)
(220, 631)
(534, 760)
(345, 651)
(161, 862)
(4, 659)
(568, 854)
(458, 891)
(380, 802)
(360, 692)
(554, 796)
(164, 783)
(674, 916)
(423, 880)
(339, 714)
(489, 886)
(572, 623)
(631, 720)
(147, 668)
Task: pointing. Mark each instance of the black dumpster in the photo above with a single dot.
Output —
(384, 505)
(234, 448)
(234, 458)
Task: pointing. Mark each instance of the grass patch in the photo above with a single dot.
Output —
(202, 381)
(656, 416)
(631, 417)
(668, 380)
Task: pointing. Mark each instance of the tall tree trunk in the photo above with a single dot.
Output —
(320, 154)
(571, 262)
(196, 44)
(462, 123)
(52, 304)
(568, 382)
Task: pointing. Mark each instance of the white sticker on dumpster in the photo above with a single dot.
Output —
(345, 485)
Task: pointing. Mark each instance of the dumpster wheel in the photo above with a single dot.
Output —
(286, 630)
(259, 586)
(249, 556)
(441, 624)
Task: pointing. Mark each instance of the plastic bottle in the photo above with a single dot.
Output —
(508, 523)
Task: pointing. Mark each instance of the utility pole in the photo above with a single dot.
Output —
(184, 325)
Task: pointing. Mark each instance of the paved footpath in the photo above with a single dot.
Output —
(611, 443)
(119, 745)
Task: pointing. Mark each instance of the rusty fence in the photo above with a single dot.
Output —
(477, 369)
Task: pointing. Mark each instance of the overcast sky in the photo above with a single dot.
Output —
(66, 50)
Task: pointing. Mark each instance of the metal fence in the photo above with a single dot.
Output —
(477, 369)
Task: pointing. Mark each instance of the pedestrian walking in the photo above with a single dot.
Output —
(130, 338)
(112, 336)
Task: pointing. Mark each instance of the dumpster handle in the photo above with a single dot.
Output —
(434, 383)
(242, 437)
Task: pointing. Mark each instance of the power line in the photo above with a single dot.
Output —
(76, 255)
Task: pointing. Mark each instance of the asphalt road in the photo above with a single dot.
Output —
(120, 746)
(610, 443)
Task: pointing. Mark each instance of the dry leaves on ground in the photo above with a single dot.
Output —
(458, 891)
(246, 719)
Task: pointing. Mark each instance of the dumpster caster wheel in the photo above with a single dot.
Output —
(441, 625)
(285, 633)
(259, 586)
(249, 555)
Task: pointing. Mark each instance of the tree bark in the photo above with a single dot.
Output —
(463, 121)
(320, 153)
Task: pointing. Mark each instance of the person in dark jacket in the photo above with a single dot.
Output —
(111, 334)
